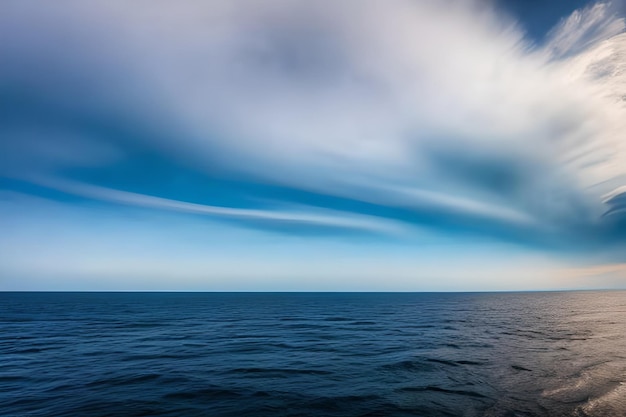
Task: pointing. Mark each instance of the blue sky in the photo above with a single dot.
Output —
(283, 145)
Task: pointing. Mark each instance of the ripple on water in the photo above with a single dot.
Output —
(613, 403)
(344, 355)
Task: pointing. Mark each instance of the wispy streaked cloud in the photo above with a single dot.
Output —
(584, 29)
(387, 117)
(305, 216)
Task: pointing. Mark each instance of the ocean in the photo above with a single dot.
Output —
(313, 354)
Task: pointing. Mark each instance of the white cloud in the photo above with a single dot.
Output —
(333, 95)
(585, 28)
(304, 216)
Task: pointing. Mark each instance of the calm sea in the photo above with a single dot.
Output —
(313, 354)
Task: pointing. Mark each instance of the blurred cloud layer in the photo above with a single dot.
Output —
(381, 121)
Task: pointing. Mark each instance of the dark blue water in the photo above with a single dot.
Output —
(203, 354)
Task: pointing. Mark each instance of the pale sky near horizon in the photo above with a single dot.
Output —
(276, 145)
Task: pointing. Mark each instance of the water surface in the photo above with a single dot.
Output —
(313, 354)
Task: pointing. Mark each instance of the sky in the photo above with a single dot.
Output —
(293, 145)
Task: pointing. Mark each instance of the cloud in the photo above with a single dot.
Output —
(306, 216)
(430, 113)
(585, 28)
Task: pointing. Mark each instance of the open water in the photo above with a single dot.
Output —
(313, 354)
